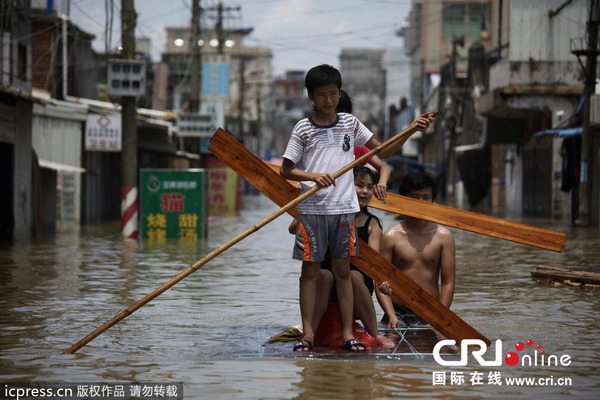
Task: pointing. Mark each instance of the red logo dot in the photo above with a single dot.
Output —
(519, 346)
(529, 342)
(539, 346)
(511, 358)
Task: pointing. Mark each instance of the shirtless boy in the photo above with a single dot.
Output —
(423, 250)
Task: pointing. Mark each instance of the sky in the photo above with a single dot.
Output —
(300, 33)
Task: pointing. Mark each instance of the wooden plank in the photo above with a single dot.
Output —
(470, 221)
(479, 223)
(270, 183)
(566, 275)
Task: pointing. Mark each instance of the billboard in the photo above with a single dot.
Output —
(215, 75)
(173, 204)
(224, 191)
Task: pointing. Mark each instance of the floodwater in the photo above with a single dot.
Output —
(209, 331)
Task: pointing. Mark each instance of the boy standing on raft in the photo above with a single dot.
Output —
(319, 146)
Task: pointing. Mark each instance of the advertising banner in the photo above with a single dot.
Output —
(173, 204)
(223, 191)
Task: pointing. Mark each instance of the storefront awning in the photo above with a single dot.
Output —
(60, 167)
(566, 132)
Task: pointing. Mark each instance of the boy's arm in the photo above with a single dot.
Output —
(423, 121)
(385, 171)
(289, 171)
(386, 304)
(447, 270)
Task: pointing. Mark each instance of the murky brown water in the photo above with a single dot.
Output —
(56, 291)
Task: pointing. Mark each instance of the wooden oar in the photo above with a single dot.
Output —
(566, 275)
(474, 222)
(271, 184)
(191, 269)
(469, 221)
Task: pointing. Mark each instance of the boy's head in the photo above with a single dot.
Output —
(322, 75)
(418, 185)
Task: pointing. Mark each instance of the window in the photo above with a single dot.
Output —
(464, 19)
(22, 62)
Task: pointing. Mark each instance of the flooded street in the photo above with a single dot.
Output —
(209, 331)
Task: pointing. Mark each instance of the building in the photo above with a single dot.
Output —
(291, 104)
(52, 180)
(437, 36)
(234, 78)
(16, 107)
(533, 86)
(364, 78)
(63, 62)
(500, 98)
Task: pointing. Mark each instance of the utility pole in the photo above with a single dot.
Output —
(129, 160)
(587, 148)
(220, 36)
(196, 65)
(451, 166)
(241, 97)
(219, 25)
(220, 50)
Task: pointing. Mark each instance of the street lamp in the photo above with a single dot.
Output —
(483, 32)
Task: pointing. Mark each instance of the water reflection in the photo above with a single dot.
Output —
(57, 290)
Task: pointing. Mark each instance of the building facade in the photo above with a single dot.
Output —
(506, 76)
(364, 78)
(234, 76)
(533, 86)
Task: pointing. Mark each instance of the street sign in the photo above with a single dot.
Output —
(173, 204)
(103, 132)
(195, 125)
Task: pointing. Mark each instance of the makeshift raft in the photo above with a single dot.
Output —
(410, 343)
(567, 276)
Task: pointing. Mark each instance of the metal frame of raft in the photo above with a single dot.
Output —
(403, 348)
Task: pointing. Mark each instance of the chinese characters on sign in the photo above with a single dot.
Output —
(173, 204)
(103, 132)
(223, 191)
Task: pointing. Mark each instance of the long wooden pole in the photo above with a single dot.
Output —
(191, 269)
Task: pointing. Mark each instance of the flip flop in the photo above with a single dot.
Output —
(354, 343)
(303, 345)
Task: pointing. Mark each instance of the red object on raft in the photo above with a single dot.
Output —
(329, 331)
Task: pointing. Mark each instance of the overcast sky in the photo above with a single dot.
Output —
(300, 33)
